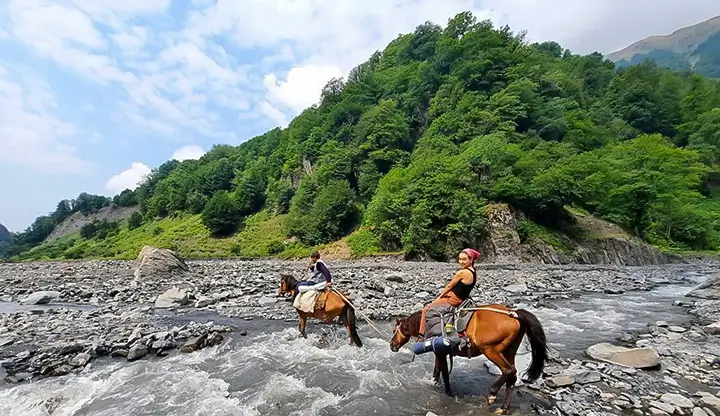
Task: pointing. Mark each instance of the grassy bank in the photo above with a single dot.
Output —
(260, 236)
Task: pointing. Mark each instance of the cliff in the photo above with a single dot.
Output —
(511, 238)
(74, 222)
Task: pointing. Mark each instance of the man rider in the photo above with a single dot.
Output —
(319, 270)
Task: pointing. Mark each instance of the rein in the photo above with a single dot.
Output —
(368, 320)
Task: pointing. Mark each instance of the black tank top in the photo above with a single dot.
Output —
(462, 290)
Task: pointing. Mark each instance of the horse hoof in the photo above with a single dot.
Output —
(501, 411)
(491, 400)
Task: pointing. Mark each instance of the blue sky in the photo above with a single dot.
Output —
(94, 93)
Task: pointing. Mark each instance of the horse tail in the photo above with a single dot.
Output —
(351, 321)
(538, 344)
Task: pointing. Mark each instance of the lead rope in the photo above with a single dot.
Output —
(368, 320)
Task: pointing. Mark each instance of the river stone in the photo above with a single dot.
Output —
(587, 377)
(80, 360)
(193, 344)
(171, 298)
(677, 329)
(708, 400)
(709, 290)
(712, 329)
(42, 297)
(699, 412)
(267, 300)
(665, 407)
(560, 381)
(137, 351)
(629, 357)
(516, 288)
(677, 400)
(157, 262)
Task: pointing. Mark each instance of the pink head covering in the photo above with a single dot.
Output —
(472, 254)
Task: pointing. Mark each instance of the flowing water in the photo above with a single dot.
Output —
(274, 372)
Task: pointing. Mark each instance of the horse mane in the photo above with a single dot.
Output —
(411, 323)
(289, 280)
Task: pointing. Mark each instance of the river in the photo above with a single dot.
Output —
(272, 371)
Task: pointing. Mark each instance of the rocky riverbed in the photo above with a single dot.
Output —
(122, 316)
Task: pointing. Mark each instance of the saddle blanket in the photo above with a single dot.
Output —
(305, 301)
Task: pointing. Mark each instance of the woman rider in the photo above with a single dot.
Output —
(459, 288)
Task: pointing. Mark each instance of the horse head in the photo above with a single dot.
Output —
(405, 328)
(287, 285)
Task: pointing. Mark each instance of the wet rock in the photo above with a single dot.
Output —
(642, 358)
(193, 344)
(137, 351)
(80, 360)
(62, 370)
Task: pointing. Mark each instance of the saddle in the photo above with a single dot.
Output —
(321, 299)
(438, 317)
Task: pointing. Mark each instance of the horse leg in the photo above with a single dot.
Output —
(507, 369)
(442, 360)
(436, 371)
(303, 324)
(509, 353)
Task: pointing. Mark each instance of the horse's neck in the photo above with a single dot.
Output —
(414, 327)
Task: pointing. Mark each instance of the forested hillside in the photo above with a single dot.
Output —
(420, 138)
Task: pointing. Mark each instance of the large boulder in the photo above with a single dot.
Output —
(708, 290)
(642, 358)
(158, 262)
(42, 297)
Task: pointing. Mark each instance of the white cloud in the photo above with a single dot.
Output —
(188, 152)
(30, 135)
(302, 86)
(269, 111)
(130, 178)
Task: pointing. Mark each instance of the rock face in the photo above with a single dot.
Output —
(708, 290)
(606, 243)
(77, 220)
(641, 358)
(154, 262)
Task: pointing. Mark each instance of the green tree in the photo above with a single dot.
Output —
(221, 215)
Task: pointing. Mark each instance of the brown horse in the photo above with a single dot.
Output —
(328, 306)
(496, 333)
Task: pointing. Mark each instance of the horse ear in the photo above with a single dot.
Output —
(397, 320)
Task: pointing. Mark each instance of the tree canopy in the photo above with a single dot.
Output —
(421, 136)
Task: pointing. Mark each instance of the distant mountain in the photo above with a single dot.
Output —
(695, 48)
(4, 234)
